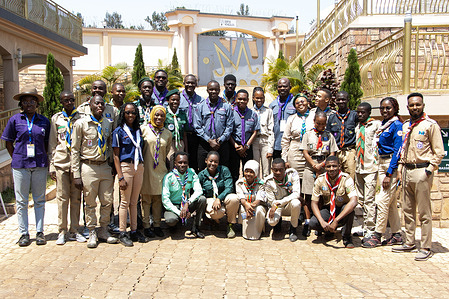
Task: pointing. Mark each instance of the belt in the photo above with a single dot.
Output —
(388, 156)
(130, 161)
(319, 158)
(93, 162)
(348, 147)
(418, 165)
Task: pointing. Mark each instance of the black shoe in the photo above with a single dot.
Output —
(125, 240)
(172, 229)
(113, 229)
(158, 232)
(306, 230)
(347, 241)
(292, 234)
(278, 227)
(196, 232)
(40, 239)
(139, 237)
(148, 233)
(24, 240)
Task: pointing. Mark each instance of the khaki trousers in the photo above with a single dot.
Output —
(292, 209)
(347, 161)
(153, 203)
(67, 195)
(386, 201)
(252, 228)
(260, 151)
(366, 189)
(417, 195)
(97, 181)
(229, 208)
(116, 196)
(130, 196)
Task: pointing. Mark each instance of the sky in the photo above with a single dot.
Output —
(134, 12)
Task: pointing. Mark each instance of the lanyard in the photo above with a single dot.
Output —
(282, 106)
(30, 126)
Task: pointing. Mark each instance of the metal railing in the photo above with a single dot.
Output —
(49, 15)
(4, 117)
(400, 7)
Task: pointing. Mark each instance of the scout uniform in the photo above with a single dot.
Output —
(91, 142)
(264, 141)
(213, 123)
(342, 195)
(422, 152)
(342, 127)
(59, 149)
(230, 101)
(297, 126)
(286, 193)
(281, 112)
(110, 112)
(319, 152)
(176, 190)
(159, 97)
(176, 123)
(366, 168)
(328, 111)
(144, 110)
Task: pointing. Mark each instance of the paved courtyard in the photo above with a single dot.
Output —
(215, 267)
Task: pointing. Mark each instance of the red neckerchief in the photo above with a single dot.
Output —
(333, 189)
(342, 128)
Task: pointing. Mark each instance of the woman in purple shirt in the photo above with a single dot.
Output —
(26, 136)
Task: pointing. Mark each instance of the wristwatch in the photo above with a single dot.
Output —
(428, 172)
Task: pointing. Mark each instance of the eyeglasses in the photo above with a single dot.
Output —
(385, 108)
(130, 112)
(160, 77)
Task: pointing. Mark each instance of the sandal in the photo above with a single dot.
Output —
(372, 242)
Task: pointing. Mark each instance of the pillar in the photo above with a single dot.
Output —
(10, 81)
(406, 53)
(182, 49)
(190, 47)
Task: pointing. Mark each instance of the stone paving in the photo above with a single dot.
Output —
(215, 267)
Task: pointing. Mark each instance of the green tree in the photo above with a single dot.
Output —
(54, 84)
(352, 81)
(139, 66)
(244, 10)
(158, 21)
(114, 20)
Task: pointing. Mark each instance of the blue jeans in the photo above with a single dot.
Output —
(24, 180)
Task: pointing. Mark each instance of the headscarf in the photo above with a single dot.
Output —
(253, 165)
(153, 114)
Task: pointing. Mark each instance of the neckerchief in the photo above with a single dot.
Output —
(176, 124)
(158, 144)
(360, 146)
(385, 126)
(146, 109)
(214, 183)
(212, 112)
(409, 129)
(183, 184)
(242, 116)
(231, 100)
(160, 98)
(68, 133)
(189, 100)
(342, 128)
(319, 144)
(101, 140)
(282, 106)
(284, 184)
(332, 189)
(250, 188)
(138, 151)
(303, 127)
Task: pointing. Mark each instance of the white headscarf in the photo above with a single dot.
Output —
(253, 165)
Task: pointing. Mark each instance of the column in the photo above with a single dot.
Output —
(182, 51)
(10, 81)
(190, 47)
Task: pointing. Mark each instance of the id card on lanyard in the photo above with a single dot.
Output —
(30, 146)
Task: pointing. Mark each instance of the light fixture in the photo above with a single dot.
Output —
(19, 56)
(72, 62)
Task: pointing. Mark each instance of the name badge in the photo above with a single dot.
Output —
(89, 142)
(30, 150)
(282, 125)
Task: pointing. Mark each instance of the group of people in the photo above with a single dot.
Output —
(179, 155)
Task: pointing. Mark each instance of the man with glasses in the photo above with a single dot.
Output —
(160, 88)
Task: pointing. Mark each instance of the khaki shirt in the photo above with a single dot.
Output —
(270, 191)
(345, 190)
(266, 121)
(370, 155)
(110, 112)
(243, 193)
(424, 144)
(58, 153)
(292, 132)
(85, 142)
(310, 140)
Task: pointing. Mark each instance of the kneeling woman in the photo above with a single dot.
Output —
(252, 209)
(216, 181)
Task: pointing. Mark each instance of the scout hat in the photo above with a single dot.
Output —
(29, 91)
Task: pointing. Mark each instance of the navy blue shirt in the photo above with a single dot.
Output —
(251, 120)
(334, 126)
(184, 105)
(390, 142)
(223, 124)
(121, 140)
(287, 110)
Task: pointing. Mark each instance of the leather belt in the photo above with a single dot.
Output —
(93, 162)
(418, 165)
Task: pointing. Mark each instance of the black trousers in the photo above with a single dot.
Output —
(204, 148)
(346, 222)
(192, 149)
(235, 159)
(198, 205)
(277, 154)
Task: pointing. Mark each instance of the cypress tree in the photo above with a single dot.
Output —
(54, 84)
(139, 66)
(174, 61)
(352, 81)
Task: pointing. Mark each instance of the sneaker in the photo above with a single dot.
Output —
(125, 240)
(423, 255)
(158, 232)
(404, 248)
(292, 234)
(104, 235)
(113, 229)
(24, 240)
(79, 238)
(137, 236)
(93, 241)
(278, 227)
(148, 233)
(40, 239)
(372, 242)
(347, 241)
(85, 232)
(230, 232)
(61, 239)
(306, 230)
(395, 239)
(196, 232)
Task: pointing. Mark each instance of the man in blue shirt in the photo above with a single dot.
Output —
(160, 88)
(213, 122)
(229, 94)
(282, 108)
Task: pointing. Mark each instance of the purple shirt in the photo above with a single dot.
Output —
(17, 131)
